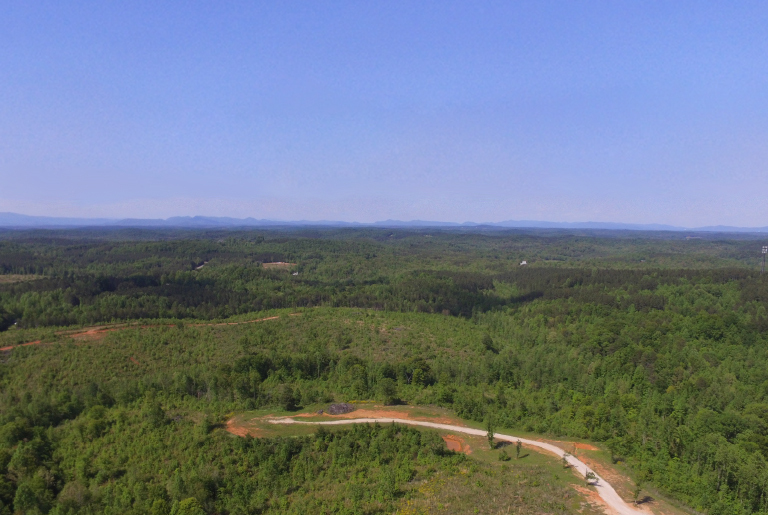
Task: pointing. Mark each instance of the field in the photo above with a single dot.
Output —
(278, 265)
(134, 381)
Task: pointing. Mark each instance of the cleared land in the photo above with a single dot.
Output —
(605, 490)
(99, 332)
(18, 278)
(611, 493)
(278, 264)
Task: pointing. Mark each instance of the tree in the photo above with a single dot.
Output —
(159, 507)
(189, 506)
(490, 434)
(205, 426)
(154, 413)
(419, 378)
(74, 496)
(287, 398)
(33, 496)
(488, 343)
(6, 319)
(388, 391)
(637, 490)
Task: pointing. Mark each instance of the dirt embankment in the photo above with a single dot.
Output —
(237, 429)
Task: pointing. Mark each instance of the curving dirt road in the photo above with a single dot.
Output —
(604, 489)
(98, 332)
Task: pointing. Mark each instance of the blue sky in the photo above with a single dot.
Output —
(642, 112)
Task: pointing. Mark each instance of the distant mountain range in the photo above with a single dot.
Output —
(18, 221)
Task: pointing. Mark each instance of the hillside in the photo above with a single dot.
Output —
(660, 362)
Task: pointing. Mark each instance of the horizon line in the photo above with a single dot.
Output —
(10, 220)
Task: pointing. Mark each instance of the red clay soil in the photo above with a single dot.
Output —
(235, 429)
(570, 445)
(95, 333)
(98, 332)
(456, 444)
(11, 347)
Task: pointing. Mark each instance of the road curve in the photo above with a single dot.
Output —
(604, 489)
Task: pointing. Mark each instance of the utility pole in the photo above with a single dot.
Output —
(765, 251)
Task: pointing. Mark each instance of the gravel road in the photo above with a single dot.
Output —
(603, 488)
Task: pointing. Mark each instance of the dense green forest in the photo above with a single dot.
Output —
(656, 347)
(91, 277)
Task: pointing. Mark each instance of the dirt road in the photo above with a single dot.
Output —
(98, 332)
(604, 489)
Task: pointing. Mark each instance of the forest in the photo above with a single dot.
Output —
(654, 346)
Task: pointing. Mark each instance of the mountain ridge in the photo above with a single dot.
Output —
(19, 221)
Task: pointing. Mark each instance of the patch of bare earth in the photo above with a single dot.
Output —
(11, 347)
(94, 333)
(236, 427)
(383, 413)
(568, 446)
(278, 264)
(98, 332)
(456, 444)
(18, 278)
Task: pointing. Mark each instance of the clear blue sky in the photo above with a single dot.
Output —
(629, 111)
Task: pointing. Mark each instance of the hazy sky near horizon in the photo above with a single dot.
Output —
(639, 112)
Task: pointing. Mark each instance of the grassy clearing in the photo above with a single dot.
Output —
(486, 487)
(18, 278)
